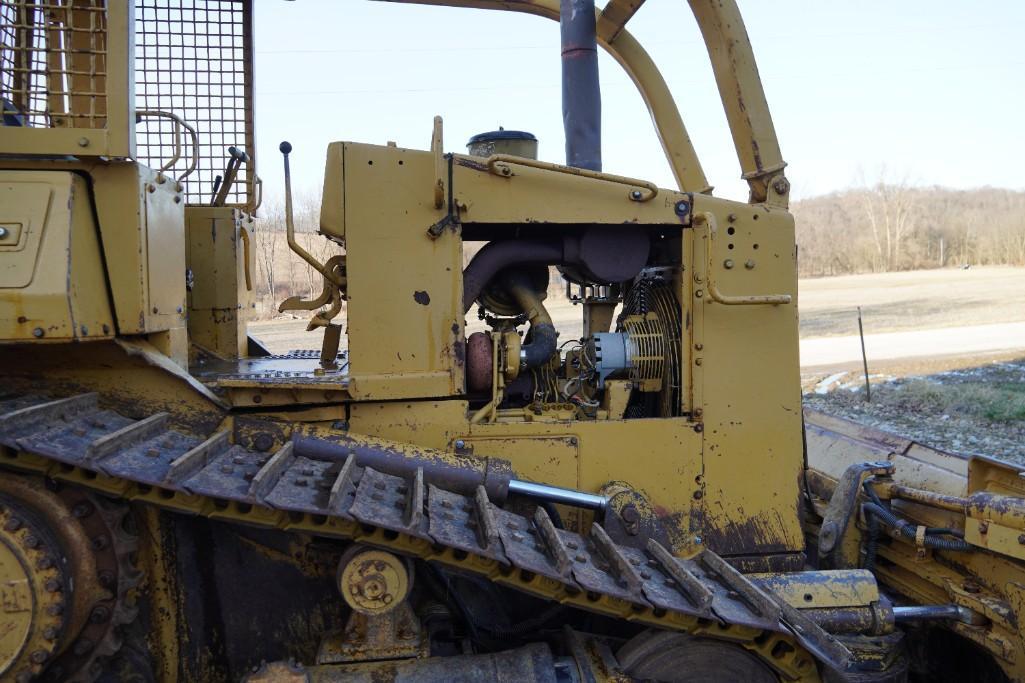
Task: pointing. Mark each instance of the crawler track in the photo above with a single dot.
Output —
(77, 441)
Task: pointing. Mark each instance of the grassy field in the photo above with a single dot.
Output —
(913, 300)
(891, 302)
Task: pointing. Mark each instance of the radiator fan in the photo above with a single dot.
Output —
(645, 348)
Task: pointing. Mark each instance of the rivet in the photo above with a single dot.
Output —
(13, 524)
(697, 361)
(728, 263)
(151, 188)
(699, 346)
(177, 199)
(3, 232)
(698, 293)
(636, 194)
(460, 444)
(83, 142)
(39, 656)
(749, 264)
(732, 218)
(38, 332)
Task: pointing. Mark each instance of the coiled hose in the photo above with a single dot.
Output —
(875, 512)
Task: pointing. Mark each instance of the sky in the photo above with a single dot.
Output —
(924, 92)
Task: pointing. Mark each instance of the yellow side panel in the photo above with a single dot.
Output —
(52, 284)
(405, 318)
(144, 243)
(746, 379)
(218, 302)
(25, 205)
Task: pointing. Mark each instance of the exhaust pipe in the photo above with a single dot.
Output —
(581, 94)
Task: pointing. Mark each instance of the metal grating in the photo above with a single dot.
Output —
(193, 58)
(53, 63)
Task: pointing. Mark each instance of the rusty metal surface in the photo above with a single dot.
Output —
(148, 461)
(228, 474)
(305, 486)
(390, 502)
(454, 521)
(526, 549)
(705, 586)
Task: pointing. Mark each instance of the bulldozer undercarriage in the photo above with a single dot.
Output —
(431, 498)
(87, 454)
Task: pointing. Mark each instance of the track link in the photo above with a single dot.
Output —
(76, 440)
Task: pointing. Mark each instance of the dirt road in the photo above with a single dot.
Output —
(823, 353)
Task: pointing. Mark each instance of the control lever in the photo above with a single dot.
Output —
(334, 280)
(222, 184)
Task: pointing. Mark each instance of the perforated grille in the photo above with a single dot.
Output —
(53, 63)
(193, 59)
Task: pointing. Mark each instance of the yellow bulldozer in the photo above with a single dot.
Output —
(644, 502)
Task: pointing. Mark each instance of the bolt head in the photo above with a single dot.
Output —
(3, 232)
(682, 208)
(727, 264)
(83, 142)
(749, 264)
(38, 332)
(460, 444)
(781, 186)
(636, 194)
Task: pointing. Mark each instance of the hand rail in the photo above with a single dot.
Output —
(178, 125)
(504, 171)
(714, 293)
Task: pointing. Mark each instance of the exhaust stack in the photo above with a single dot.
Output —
(581, 94)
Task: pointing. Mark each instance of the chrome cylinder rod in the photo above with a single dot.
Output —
(554, 494)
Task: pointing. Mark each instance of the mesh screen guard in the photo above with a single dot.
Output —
(60, 70)
(193, 58)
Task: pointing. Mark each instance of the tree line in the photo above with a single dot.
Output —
(885, 227)
(892, 226)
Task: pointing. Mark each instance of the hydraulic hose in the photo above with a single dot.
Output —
(543, 337)
(876, 512)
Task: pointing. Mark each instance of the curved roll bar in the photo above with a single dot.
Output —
(736, 75)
